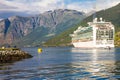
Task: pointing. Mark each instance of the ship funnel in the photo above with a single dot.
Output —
(95, 20)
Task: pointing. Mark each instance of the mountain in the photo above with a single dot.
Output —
(111, 14)
(34, 30)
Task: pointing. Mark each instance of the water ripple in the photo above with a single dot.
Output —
(101, 70)
(65, 64)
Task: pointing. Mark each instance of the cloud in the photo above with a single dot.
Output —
(29, 6)
(89, 5)
(45, 5)
(104, 4)
(81, 6)
(12, 6)
(4, 6)
(38, 6)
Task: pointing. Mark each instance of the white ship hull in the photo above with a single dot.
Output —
(90, 44)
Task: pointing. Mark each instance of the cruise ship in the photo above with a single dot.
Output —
(98, 34)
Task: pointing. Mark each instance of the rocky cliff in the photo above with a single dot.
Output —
(37, 29)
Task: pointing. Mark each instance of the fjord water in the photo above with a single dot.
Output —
(65, 63)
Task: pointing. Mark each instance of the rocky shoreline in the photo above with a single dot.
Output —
(8, 55)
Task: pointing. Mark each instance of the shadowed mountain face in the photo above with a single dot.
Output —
(37, 29)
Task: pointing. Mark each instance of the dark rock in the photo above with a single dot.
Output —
(7, 56)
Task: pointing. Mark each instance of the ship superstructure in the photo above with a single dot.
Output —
(98, 34)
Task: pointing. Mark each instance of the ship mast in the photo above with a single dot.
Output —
(94, 9)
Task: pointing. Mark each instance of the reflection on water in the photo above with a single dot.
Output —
(102, 63)
(69, 64)
(72, 71)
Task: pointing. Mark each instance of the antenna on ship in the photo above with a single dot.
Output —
(94, 9)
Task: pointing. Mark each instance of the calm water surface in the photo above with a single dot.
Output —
(65, 64)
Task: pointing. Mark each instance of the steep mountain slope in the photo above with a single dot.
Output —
(37, 29)
(111, 14)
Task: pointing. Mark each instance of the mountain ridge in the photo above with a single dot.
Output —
(17, 29)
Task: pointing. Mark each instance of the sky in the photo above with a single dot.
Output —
(40, 6)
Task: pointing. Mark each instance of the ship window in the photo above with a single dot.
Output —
(101, 32)
(107, 33)
(111, 34)
(98, 34)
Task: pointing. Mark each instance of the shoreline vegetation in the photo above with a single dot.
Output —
(57, 42)
(8, 55)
